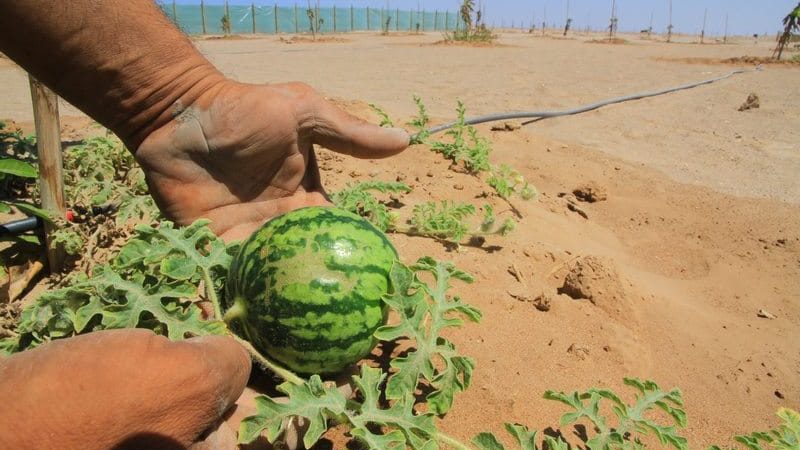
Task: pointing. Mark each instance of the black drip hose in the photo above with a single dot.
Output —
(539, 115)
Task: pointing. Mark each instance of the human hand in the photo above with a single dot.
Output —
(119, 389)
(241, 154)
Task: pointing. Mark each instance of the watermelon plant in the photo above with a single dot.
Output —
(311, 291)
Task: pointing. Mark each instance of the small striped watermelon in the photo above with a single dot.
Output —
(308, 285)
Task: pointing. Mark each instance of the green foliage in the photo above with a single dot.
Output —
(631, 420)
(524, 438)
(17, 168)
(425, 310)
(358, 199)
(385, 120)
(319, 404)
(102, 171)
(70, 240)
(443, 220)
(471, 30)
(786, 436)
(507, 181)
(447, 220)
(488, 226)
(152, 283)
(419, 123)
(465, 146)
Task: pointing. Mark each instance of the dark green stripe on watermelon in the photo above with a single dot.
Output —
(312, 282)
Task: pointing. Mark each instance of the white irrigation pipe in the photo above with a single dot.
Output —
(539, 115)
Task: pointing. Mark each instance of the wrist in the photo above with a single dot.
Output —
(163, 97)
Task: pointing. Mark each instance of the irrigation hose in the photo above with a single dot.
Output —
(539, 115)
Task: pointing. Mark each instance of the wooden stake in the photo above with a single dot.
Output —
(51, 174)
(253, 13)
(275, 13)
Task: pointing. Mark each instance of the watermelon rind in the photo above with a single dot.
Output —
(310, 284)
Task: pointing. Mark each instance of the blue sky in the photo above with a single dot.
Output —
(745, 17)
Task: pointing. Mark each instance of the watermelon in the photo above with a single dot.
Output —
(307, 288)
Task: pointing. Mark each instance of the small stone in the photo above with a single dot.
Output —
(354, 173)
(429, 174)
(458, 187)
(400, 177)
(764, 314)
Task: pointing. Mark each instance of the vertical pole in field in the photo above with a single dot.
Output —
(725, 38)
(397, 19)
(611, 27)
(669, 27)
(352, 25)
(203, 15)
(253, 15)
(446, 20)
(174, 13)
(51, 174)
(703, 31)
(334, 18)
(274, 13)
(295, 19)
(367, 18)
(410, 20)
(435, 18)
(650, 28)
(383, 20)
(423, 20)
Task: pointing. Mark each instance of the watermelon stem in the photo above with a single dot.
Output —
(450, 441)
(211, 293)
(282, 372)
(238, 311)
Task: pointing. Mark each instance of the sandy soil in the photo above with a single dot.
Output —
(698, 232)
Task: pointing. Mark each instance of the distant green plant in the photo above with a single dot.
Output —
(473, 30)
(385, 120)
(358, 198)
(465, 146)
(507, 181)
(420, 122)
(447, 220)
(791, 26)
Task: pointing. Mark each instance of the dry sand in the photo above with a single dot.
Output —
(700, 228)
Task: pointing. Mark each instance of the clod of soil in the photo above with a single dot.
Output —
(579, 351)
(506, 126)
(590, 192)
(595, 279)
(752, 102)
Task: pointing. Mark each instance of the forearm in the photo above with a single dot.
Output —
(120, 61)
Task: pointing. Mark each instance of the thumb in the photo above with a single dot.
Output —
(343, 133)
